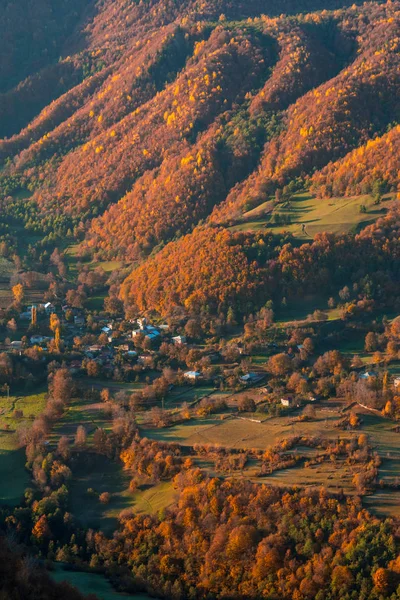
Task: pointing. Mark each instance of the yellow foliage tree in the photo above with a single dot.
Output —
(18, 293)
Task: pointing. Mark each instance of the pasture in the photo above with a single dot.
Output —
(333, 478)
(14, 478)
(302, 309)
(72, 254)
(153, 499)
(384, 503)
(32, 294)
(309, 216)
(98, 473)
(95, 474)
(84, 412)
(189, 394)
(228, 431)
(7, 269)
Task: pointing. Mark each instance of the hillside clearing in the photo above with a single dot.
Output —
(309, 216)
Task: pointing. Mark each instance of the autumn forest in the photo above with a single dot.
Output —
(199, 299)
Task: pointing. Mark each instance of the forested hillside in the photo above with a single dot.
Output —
(200, 299)
(145, 120)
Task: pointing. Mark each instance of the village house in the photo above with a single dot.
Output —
(48, 307)
(251, 378)
(368, 375)
(92, 351)
(142, 322)
(396, 382)
(38, 339)
(16, 345)
(287, 401)
(192, 375)
(178, 340)
(144, 359)
(121, 347)
(149, 332)
(153, 334)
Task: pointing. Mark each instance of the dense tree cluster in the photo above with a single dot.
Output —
(210, 268)
(256, 540)
(370, 169)
(217, 269)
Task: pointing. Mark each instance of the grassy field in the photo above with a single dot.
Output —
(384, 440)
(226, 430)
(72, 256)
(188, 394)
(153, 499)
(96, 302)
(387, 443)
(117, 386)
(303, 308)
(14, 478)
(92, 583)
(7, 269)
(336, 215)
(101, 475)
(87, 413)
(237, 433)
(384, 503)
(332, 477)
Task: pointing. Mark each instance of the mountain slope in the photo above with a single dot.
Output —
(162, 115)
(373, 166)
(329, 121)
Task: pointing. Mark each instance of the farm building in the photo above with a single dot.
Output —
(368, 375)
(192, 375)
(287, 401)
(251, 378)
